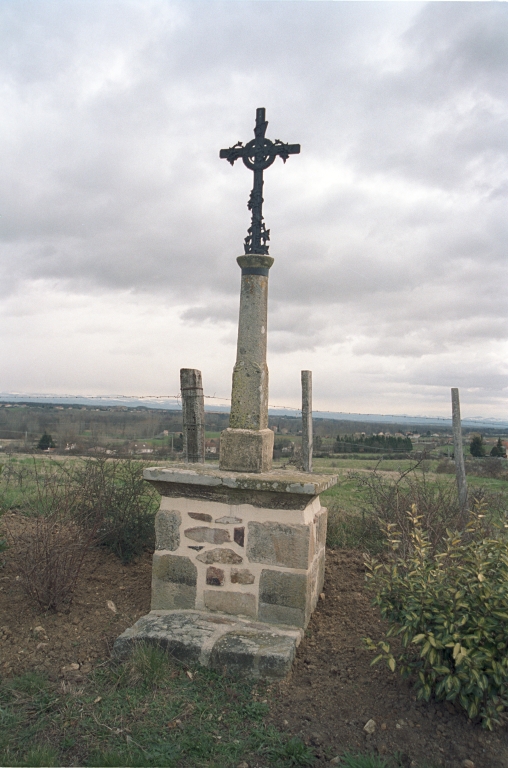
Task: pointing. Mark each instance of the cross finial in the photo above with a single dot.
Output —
(257, 155)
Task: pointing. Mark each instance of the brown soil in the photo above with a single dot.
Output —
(330, 696)
(334, 691)
(81, 635)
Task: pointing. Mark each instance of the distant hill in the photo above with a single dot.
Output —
(172, 404)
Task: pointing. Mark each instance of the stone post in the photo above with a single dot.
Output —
(307, 421)
(193, 411)
(460, 469)
(247, 445)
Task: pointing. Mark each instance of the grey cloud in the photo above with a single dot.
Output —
(389, 230)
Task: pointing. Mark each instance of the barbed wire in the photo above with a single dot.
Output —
(161, 398)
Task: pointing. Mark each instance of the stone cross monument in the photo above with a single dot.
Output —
(239, 547)
(247, 446)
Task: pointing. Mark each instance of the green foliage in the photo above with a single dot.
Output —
(293, 752)
(499, 450)
(450, 611)
(38, 757)
(476, 446)
(45, 442)
(388, 443)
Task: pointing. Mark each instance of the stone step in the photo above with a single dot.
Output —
(224, 643)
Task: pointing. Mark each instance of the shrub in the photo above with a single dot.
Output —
(388, 499)
(71, 506)
(51, 545)
(450, 611)
(114, 491)
(349, 530)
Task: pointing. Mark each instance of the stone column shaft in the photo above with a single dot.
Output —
(307, 421)
(193, 412)
(247, 445)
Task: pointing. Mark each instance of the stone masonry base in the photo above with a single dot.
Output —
(247, 547)
(223, 643)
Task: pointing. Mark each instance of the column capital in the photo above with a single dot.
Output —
(255, 264)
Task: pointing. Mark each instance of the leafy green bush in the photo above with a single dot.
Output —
(450, 611)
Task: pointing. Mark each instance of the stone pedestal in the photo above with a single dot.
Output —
(247, 549)
(247, 445)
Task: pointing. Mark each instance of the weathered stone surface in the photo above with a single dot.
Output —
(239, 536)
(219, 556)
(279, 544)
(167, 529)
(228, 520)
(237, 603)
(249, 396)
(174, 581)
(320, 521)
(242, 576)
(210, 535)
(214, 576)
(216, 640)
(257, 654)
(279, 489)
(182, 634)
(284, 598)
(246, 450)
(195, 547)
(201, 516)
(175, 568)
(193, 414)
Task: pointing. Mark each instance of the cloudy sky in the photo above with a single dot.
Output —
(120, 226)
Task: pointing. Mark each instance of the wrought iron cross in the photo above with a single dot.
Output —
(257, 155)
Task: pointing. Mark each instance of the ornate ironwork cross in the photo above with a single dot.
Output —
(257, 155)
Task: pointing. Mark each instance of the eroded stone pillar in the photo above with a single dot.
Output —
(307, 421)
(193, 412)
(247, 445)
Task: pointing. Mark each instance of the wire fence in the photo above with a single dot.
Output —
(32, 398)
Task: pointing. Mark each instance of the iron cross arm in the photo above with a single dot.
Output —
(258, 155)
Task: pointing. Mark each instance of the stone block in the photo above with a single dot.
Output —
(237, 603)
(254, 654)
(174, 581)
(224, 643)
(210, 535)
(214, 576)
(219, 556)
(167, 529)
(320, 521)
(229, 520)
(246, 450)
(239, 536)
(201, 516)
(241, 576)
(279, 544)
(284, 598)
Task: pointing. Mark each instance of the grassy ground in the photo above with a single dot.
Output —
(150, 711)
(153, 711)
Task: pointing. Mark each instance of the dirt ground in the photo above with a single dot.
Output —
(329, 698)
